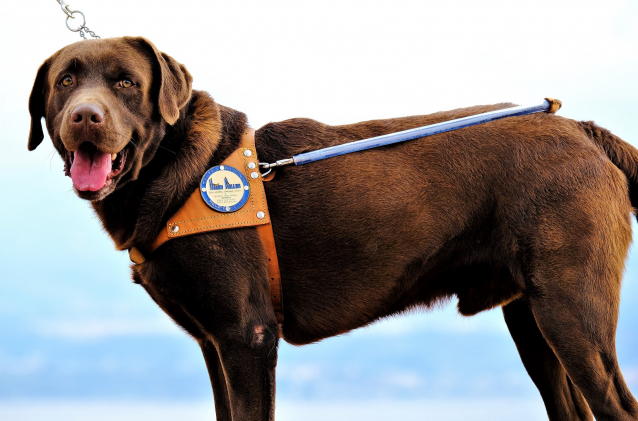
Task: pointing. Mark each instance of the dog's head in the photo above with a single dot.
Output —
(106, 104)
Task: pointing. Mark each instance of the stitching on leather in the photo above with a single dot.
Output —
(221, 215)
(208, 217)
(260, 183)
(257, 181)
(259, 222)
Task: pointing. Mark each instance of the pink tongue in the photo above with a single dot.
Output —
(89, 169)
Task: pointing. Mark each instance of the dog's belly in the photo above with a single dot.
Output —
(322, 300)
(477, 288)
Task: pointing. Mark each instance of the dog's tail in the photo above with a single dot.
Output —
(621, 153)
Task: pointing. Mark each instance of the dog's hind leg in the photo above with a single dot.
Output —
(563, 400)
(572, 285)
(581, 333)
(218, 381)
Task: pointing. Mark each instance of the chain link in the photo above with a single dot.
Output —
(70, 14)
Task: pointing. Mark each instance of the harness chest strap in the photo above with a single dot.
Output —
(197, 217)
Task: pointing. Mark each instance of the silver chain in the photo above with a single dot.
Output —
(82, 29)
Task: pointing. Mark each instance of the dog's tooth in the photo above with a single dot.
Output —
(113, 156)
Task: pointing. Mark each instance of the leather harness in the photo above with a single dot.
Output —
(196, 217)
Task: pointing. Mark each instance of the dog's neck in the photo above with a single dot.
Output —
(204, 136)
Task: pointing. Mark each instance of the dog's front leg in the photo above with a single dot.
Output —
(249, 371)
(217, 380)
(239, 343)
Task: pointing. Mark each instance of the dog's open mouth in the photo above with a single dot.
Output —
(91, 169)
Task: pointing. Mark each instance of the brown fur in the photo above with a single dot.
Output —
(529, 213)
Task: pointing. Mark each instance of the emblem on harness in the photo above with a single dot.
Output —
(224, 188)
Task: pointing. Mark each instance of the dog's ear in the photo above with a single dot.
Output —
(36, 106)
(175, 82)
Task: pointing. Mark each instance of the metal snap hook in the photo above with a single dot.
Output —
(65, 9)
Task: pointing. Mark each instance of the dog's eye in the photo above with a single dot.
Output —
(66, 81)
(126, 83)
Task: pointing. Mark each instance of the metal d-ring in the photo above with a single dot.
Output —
(267, 172)
(79, 28)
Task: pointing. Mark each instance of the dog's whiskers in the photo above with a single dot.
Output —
(110, 202)
(52, 153)
(174, 153)
(273, 335)
(163, 147)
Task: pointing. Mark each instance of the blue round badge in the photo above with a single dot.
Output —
(224, 188)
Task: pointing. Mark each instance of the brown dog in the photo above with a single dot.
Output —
(529, 213)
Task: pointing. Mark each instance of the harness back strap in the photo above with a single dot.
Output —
(196, 217)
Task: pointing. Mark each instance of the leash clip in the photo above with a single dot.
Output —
(65, 9)
(280, 163)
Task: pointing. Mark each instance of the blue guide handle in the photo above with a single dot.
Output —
(548, 105)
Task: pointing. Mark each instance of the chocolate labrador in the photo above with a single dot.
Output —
(529, 213)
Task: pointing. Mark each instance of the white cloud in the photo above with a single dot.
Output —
(404, 379)
(93, 329)
(631, 375)
(299, 373)
(21, 365)
(286, 410)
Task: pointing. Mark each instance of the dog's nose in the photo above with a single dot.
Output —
(87, 115)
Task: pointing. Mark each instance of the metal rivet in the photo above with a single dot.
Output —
(261, 215)
(175, 228)
(254, 174)
(221, 167)
(251, 165)
(227, 208)
(247, 152)
(245, 187)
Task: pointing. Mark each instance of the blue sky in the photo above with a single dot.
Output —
(73, 328)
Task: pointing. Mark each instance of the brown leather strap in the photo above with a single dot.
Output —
(196, 217)
(274, 277)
